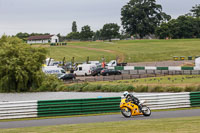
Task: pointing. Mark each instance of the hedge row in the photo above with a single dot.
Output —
(53, 84)
(123, 87)
(86, 87)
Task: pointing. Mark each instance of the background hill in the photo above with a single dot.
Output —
(127, 50)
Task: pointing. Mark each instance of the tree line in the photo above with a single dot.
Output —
(182, 27)
(139, 18)
(108, 31)
(142, 18)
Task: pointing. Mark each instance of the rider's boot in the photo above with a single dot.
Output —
(140, 107)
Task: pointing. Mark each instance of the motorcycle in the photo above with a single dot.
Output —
(128, 108)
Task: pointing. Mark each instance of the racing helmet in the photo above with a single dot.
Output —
(125, 93)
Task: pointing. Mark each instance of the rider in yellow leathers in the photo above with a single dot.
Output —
(130, 97)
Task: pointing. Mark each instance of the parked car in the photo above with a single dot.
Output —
(67, 76)
(96, 71)
(106, 72)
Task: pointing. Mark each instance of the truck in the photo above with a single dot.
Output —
(84, 69)
(114, 63)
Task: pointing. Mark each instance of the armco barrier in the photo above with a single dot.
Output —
(166, 100)
(26, 109)
(195, 99)
(78, 106)
(21, 109)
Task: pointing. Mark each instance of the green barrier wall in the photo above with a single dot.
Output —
(195, 99)
(78, 106)
(139, 68)
(119, 68)
(187, 68)
(162, 68)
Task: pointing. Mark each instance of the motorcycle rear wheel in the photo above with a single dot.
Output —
(126, 112)
(146, 112)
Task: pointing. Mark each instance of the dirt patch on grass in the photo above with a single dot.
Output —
(188, 64)
(37, 46)
(120, 55)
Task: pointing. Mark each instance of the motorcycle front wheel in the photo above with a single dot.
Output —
(126, 112)
(146, 111)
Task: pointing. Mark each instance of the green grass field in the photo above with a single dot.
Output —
(178, 80)
(80, 54)
(169, 125)
(127, 50)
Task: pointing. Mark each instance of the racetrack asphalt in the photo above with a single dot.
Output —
(97, 118)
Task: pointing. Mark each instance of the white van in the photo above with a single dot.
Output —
(94, 62)
(84, 69)
(53, 70)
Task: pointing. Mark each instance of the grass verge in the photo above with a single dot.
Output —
(175, 80)
(169, 125)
